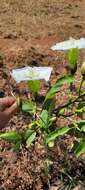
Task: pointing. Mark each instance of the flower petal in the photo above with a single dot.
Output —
(69, 44)
(31, 73)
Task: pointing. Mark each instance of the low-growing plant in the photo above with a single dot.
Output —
(43, 118)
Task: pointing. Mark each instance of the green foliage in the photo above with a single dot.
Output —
(83, 128)
(28, 106)
(57, 133)
(73, 58)
(31, 138)
(79, 145)
(80, 123)
(17, 138)
(49, 105)
(28, 133)
(67, 79)
(43, 117)
(80, 109)
(34, 86)
(13, 137)
(80, 148)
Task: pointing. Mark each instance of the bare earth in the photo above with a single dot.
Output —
(28, 29)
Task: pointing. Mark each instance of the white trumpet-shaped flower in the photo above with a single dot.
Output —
(31, 73)
(69, 44)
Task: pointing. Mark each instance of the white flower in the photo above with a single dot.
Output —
(69, 44)
(31, 73)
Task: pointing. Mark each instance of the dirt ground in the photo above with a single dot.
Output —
(28, 29)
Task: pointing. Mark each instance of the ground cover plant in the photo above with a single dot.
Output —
(51, 160)
(27, 30)
(43, 118)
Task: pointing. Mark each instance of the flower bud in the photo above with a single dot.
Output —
(51, 144)
(83, 69)
(73, 59)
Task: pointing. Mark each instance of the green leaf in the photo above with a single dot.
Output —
(17, 146)
(73, 57)
(80, 123)
(34, 86)
(13, 137)
(28, 106)
(56, 87)
(28, 133)
(58, 132)
(44, 119)
(31, 138)
(80, 110)
(80, 148)
(83, 128)
(62, 111)
(81, 105)
(49, 105)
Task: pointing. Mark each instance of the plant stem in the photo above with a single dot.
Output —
(81, 83)
(56, 110)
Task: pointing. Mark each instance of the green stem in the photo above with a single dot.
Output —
(81, 83)
(56, 110)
